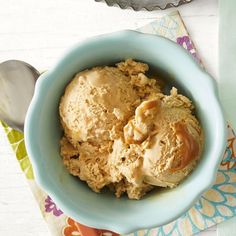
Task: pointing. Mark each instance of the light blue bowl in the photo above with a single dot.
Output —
(43, 132)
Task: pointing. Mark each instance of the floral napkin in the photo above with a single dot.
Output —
(216, 205)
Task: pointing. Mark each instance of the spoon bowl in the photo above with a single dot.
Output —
(17, 82)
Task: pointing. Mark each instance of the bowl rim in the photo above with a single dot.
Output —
(44, 182)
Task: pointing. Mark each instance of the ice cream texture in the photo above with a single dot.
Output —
(122, 132)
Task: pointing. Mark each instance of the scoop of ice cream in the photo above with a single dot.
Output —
(170, 135)
(122, 132)
(171, 156)
(96, 105)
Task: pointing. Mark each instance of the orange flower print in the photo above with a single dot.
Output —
(76, 229)
(71, 229)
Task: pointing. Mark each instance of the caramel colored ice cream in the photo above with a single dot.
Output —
(170, 135)
(122, 132)
(96, 105)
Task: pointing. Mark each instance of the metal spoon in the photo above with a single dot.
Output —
(17, 82)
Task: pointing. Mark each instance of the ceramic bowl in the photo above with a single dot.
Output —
(43, 132)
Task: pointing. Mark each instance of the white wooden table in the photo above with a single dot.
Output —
(38, 32)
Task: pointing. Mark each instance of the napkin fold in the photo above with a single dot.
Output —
(216, 205)
(227, 79)
(227, 58)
